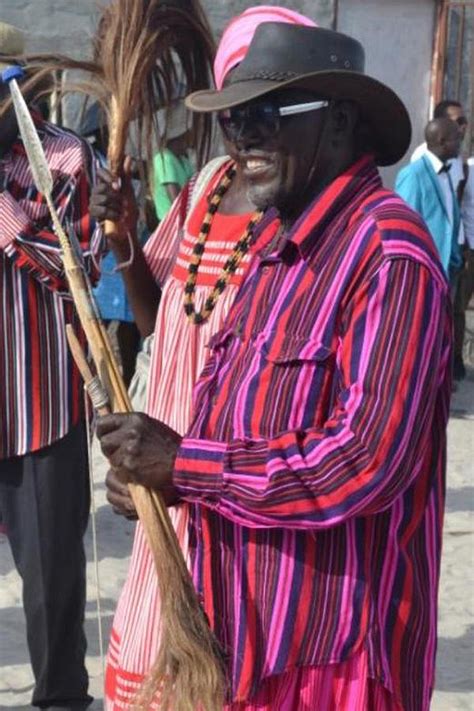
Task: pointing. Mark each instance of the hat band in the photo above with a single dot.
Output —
(266, 75)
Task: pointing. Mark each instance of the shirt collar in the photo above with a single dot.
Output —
(435, 161)
(349, 188)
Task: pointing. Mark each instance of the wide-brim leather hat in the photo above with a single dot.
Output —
(327, 63)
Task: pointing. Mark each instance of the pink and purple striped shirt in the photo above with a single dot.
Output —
(315, 462)
(41, 390)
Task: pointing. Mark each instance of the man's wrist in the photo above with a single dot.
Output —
(121, 245)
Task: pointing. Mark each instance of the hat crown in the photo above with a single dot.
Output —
(281, 51)
(12, 40)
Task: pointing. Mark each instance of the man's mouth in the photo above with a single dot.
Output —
(253, 166)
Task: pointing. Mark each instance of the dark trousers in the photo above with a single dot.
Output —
(44, 500)
(464, 292)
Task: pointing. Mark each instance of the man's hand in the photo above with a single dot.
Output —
(115, 201)
(140, 450)
(118, 496)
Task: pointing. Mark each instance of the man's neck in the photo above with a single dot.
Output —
(290, 216)
(437, 153)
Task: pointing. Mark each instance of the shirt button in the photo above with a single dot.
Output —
(265, 270)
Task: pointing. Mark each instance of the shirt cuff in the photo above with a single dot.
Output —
(204, 468)
(198, 469)
(14, 220)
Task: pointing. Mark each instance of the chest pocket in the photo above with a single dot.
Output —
(296, 378)
(291, 348)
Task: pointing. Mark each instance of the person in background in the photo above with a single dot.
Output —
(453, 110)
(44, 484)
(427, 187)
(313, 467)
(110, 293)
(171, 166)
(465, 288)
(459, 176)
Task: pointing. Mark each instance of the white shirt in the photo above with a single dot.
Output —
(443, 179)
(468, 206)
(456, 174)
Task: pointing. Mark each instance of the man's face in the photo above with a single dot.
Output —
(456, 114)
(278, 155)
(451, 141)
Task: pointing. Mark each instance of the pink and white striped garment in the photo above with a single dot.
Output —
(178, 357)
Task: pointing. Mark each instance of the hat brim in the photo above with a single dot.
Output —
(379, 105)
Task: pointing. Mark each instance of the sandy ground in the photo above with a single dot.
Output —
(455, 675)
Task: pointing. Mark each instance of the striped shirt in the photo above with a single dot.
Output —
(315, 462)
(41, 391)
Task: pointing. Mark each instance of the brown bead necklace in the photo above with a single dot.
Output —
(241, 248)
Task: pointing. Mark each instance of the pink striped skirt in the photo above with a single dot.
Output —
(335, 687)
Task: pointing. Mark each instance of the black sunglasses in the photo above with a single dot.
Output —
(263, 116)
(461, 121)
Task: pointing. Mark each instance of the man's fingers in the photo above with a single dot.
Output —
(102, 213)
(115, 483)
(104, 175)
(110, 432)
(127, 166)
(118, 495)
(110, 423)
(120, 504)
(119, 437)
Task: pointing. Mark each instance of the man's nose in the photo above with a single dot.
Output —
(248, 136)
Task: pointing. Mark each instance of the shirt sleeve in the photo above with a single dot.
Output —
(166, 168)
(36, 247)
(393, 362)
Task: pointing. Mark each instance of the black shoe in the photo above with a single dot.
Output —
(72, 707)
(459, 370)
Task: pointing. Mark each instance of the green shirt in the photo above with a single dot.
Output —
(168, 168)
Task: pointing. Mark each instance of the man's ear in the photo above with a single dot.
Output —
(344, 117)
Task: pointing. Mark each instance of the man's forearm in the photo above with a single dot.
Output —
(142, 290)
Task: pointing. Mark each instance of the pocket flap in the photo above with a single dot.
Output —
(289, 347)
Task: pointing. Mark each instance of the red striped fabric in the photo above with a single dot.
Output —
(41, 392)
(314, 466)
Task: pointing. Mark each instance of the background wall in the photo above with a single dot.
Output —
(397, 34)
(53, 25)
(66, 25)
(398, 40)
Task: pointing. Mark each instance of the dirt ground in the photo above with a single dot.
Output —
(455, 669)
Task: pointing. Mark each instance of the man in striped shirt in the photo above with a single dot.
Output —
(315, 462)
(44, 499)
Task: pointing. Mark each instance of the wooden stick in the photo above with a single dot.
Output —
(90, 381)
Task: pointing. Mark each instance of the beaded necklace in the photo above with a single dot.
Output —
(241, 248)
